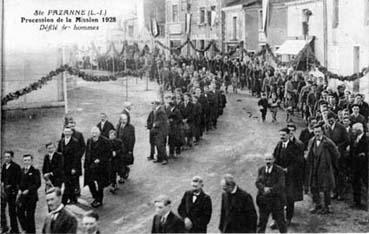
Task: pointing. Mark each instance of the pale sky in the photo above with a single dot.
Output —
(20, 35)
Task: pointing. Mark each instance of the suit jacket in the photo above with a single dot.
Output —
(65, 222)
(361, 147)
(30, 181)
(187, 112)
(127, 135)
(11, 178)
(291, 158)
(173, 224)
(305, 136)
(71, 153)
(238, 214)
(274, 180)
(338, 135)
(101, 150)
(161, 124)
(106, 128)
(55, 166)
(322, 161)
(199, 212)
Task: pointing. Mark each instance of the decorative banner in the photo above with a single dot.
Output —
(72, 71)
(188, 23)
(265, 16)
(154, 28)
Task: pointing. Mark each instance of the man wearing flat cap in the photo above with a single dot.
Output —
(338, 134)
(288, 155)
(322, 160)
(160, 132)
(195, 208)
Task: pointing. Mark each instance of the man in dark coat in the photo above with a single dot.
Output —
(197, 113)
(238, 214)
(160, 132)
(53, 166)
(205, 109)
(28, 195)
(149, 125)
(175, 120)
(165, 221)
(96, 166)
(116, 159)
(59, 220)
(359, 155)
(213, 106)
(271, 194)
(195, 208)
(69, 147)
(338, 134)
(81, 147)
(188, 118)
(322, 160)
(11, 174)
(105, 126)
(356, 117)
(289, 156)
(126, 132)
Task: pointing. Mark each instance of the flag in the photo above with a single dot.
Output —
(154, 28)
(213, 17)
(188, 23)
(265, 16)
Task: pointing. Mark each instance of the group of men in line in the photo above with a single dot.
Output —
(185, 115)
(280, 183)
(107, 156)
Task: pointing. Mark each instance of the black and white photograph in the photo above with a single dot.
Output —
(184, 116)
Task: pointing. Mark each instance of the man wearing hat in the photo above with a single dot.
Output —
(160, 132)
(356, 117)
(338, 134)
(322, 160)
(288, 155)
(195, 207)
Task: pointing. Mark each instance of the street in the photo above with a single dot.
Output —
(237, 146)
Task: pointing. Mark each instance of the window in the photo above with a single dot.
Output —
(174, 13)
(335, 14)
(234, 35)
(162, 30)
(202, 15)
(260, 19)
(183, 5)
(209, 17)
(130, 30)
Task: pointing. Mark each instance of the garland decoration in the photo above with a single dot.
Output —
(72, 71)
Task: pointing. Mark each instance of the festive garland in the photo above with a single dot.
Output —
(201, 50)
(72, 71)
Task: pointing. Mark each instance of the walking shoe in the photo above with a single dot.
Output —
(273, 225)
(96, 204)
(315, 210)
(126, 173)
(334, 196)
(288, 222)
(325, 211)
(165, 162)
(121, 181)
(113, 189)
(156, 161)
(150, 158)
(5, 230)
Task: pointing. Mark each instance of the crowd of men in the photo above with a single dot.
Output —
(330, 155)
(108, 152)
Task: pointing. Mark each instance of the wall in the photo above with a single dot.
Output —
(295, 19)
(277, 31)
(252, 28)
(22, 67)
(238, 12)
(351, 31)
